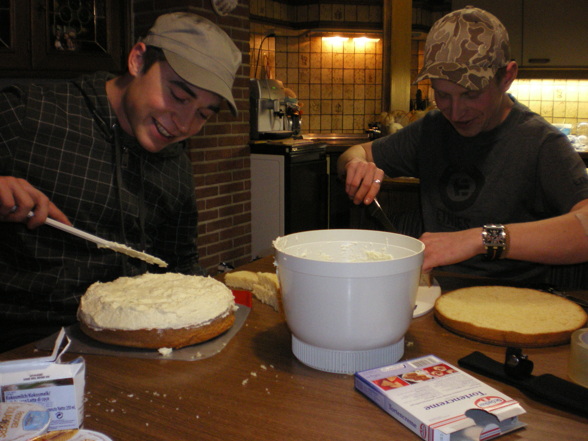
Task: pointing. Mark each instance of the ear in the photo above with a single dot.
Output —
(135, 59)
(512, 70)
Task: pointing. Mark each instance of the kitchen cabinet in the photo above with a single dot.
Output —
(62, 37)
(544, 34)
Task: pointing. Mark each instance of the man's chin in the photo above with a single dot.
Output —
(154, 146)
(466, 130)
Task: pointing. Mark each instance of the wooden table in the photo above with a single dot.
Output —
(255, 389)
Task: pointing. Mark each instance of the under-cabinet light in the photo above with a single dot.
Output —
(364, 40)
(335, 40)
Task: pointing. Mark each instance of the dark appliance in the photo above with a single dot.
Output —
(289, 190)
(339, 206)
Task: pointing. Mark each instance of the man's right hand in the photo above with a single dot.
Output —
(18, 198)
(361, 175)
(362, 181)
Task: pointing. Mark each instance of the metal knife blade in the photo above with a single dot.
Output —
(375, 210)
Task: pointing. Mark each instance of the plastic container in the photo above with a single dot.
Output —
(348, 295)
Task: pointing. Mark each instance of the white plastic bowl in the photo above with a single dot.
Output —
(348, 295)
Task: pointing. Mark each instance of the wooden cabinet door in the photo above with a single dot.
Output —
(78, 35)
(555, 34)
(543, 33)
(14, 35)
(63, 37)
(510, 13)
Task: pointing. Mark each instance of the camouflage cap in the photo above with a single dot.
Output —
(466, 47)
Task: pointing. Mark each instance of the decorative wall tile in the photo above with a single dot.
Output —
(558, 101)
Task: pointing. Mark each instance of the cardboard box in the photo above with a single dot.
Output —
(46, 381)
(440, 402)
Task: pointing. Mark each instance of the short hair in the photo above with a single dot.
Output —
(152, 55)
(500, 74)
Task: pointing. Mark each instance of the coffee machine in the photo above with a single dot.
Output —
(274, 114)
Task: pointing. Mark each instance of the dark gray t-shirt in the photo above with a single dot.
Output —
(523, 170)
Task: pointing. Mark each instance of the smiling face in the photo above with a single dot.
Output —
(157, 106)
(471, 112)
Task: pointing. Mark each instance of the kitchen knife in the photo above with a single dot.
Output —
(375, 210)
(103, 243)
(546, 388)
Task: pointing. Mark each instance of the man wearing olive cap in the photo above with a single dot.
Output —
(105, 153)
(503, 193)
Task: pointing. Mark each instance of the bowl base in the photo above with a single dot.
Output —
(346, 362)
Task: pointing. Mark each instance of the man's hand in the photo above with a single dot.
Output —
(362, 181)
(450, 248)
(361, 175)
(18, 198)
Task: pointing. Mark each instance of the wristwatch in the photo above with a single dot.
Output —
(495, 239)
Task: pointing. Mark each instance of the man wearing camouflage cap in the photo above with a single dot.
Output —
(503, 193)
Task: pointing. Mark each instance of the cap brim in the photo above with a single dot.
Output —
(470, 77)
(202, 78)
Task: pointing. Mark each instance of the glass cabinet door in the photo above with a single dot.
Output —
(14, 35)
(66, 36)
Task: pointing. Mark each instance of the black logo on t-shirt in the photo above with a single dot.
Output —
(459, 187)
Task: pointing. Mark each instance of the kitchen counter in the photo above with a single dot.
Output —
(338, 142)
(255, 389)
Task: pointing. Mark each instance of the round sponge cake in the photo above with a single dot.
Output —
(509, 316)
(157, 310)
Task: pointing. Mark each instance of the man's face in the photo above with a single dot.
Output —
(470, 112)
(161, 108)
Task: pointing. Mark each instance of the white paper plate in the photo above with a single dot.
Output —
(425, 299)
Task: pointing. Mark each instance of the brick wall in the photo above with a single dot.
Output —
(220, 153)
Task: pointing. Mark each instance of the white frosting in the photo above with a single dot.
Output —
(134, 253)
(155, 301)
(338, 251)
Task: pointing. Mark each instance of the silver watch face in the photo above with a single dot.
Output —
(494, 236)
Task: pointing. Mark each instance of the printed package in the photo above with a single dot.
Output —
(46, 381)
(440, 402)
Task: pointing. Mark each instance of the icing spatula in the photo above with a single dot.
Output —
(103, 243)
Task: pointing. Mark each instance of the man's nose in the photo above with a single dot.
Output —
(456, 109)
(185, 120)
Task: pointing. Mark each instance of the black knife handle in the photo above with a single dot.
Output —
(546, 388)
(565, 394)
(482, 364)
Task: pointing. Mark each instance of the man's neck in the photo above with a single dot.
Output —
(115, 90)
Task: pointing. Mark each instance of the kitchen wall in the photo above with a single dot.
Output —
(340, 84)
(558, 101)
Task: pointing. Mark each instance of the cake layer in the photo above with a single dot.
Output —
(509, 316)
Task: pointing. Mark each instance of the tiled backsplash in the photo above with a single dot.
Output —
(340, 83)
(558, 101)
